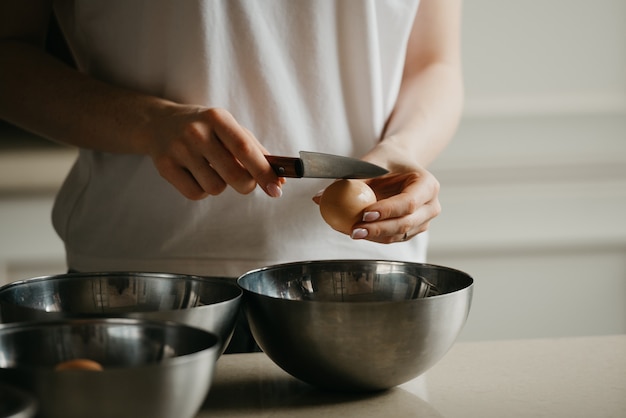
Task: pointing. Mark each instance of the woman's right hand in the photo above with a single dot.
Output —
(201, 151)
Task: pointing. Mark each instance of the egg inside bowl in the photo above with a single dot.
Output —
(148, 368)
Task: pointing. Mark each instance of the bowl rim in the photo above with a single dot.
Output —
(167, 362)
(225, 281)
(466, 288)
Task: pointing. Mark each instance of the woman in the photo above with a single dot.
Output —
(175, 104)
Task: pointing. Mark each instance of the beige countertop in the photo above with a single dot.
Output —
(569, 377)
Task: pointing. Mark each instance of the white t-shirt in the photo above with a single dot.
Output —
(302, 75)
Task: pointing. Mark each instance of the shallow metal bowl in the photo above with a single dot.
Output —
(211, 304)
(151, 369)
(15, 403)
(356, 325)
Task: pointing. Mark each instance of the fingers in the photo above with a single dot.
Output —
(238, 156)
(399, 216)
(203, 152)
(398, 229)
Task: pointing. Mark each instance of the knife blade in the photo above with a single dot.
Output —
(320, 165)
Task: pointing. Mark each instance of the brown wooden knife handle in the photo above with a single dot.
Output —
(286, 166)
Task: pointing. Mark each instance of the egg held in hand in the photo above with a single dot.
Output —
(343, 202)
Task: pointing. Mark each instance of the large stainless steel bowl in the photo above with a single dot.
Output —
(153, 369)
(356, 325)
(211, 304)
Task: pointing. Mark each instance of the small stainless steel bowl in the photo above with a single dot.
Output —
(16, 403)
(356, 325)
(151, 369)
(209, 303)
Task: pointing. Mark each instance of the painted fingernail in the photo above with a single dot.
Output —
(370, 216)
(358, 233)
(273, 190)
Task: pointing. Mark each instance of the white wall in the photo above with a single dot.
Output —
(29, 247)
(534, 184)
(29, 180)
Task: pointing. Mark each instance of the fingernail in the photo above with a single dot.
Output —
(273, 190)
(358, 233)
(319, 194)
(370, 216)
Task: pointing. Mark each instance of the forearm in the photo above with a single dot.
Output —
(425, 118)
(44, 96)
(47, 97)
(430, 100)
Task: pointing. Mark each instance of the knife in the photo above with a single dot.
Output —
(324, 166)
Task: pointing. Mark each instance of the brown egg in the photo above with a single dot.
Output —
(343, 202)
(79, 364)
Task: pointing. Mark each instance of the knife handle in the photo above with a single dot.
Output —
(286, 166)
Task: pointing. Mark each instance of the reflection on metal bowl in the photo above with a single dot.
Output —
(16, 403)
(356, 325)
(211, 303)
(151, 369)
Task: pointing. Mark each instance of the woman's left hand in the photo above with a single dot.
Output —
(407, 202)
